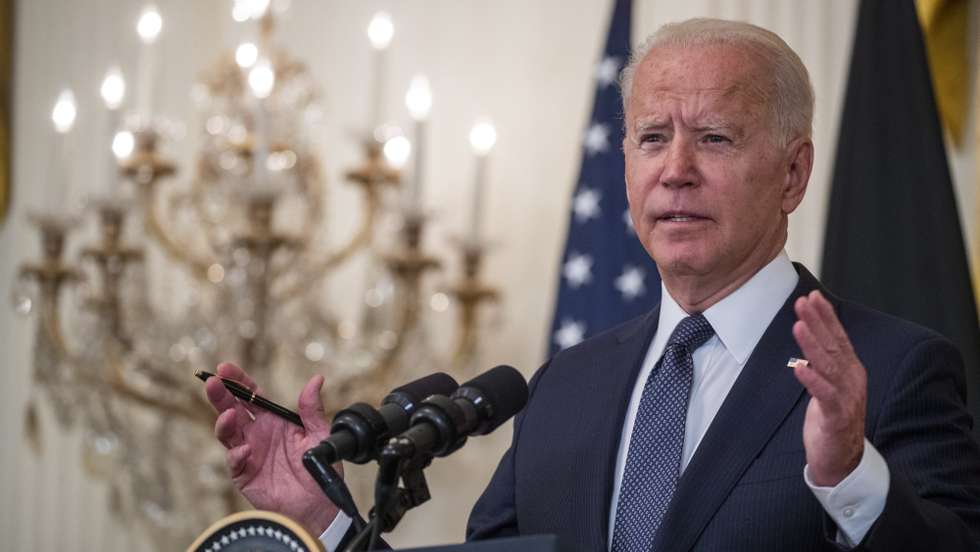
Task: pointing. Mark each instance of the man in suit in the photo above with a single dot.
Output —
(685, 429)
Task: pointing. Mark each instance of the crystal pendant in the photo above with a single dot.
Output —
(32, 427)
(99, 453)
(22, 297)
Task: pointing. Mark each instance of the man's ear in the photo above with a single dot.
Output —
(799, 163)
(626, 173)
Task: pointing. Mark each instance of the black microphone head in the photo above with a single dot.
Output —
(499, 393)
(414, 392)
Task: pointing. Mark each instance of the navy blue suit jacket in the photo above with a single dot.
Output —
(743, 488)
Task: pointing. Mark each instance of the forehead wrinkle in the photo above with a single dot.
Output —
(696, 113)
(734, 72)
(727, 68)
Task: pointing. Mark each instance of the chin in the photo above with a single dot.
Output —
(681, 259)
(683, 265)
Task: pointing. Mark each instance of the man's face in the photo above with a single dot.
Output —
(708, 187)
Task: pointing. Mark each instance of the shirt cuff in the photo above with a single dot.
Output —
(857, 501)
(335, 532)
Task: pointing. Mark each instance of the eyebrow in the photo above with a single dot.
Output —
(660, 124)
(646, 126)
(715, 126)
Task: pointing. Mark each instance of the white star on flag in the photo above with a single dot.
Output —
(606, 71)
(585, 204)
(570, 333)
(596, 139)
(596, 288)
(628, 221)
(578, 270)
(630, 283)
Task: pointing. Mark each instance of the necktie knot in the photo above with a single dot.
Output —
(691, 333)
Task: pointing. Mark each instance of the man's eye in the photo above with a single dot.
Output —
(654, 138)
(716, 139)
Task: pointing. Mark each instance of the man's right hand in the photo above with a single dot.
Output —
(265, 452)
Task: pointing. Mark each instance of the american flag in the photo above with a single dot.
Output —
(606, 276)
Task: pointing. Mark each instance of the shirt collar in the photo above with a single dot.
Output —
(740, 319)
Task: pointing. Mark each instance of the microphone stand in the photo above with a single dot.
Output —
(334, 487)
(392, 502)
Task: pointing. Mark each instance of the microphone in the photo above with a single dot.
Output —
(441, 424)
(357, 431)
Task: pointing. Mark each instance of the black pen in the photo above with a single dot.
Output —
(247, 395)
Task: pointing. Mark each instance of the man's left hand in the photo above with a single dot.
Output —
(833, 432)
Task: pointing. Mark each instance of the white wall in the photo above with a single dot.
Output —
(528, 65)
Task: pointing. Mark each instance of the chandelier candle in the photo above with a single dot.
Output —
(482, 138)
(249, 396)
(261, 79)
(63, 116)
(148, 27)
(380, 32)
(418, 100)
(113, 91)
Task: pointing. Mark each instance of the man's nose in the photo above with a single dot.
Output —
(679, 166)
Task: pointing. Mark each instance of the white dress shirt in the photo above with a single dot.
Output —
(335, 532)
(739, 320)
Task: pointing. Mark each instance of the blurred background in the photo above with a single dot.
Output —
(371, 190)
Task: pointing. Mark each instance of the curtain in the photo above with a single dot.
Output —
(6, 82)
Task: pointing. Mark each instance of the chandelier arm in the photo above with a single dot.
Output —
(465, 337)
(197, 265)
(470, 295)
(314, 194)
(310, 173)
(162, 377)
(362, 238)
(122, 390)
(408, 263)
(51, 323)
(116, 381)
(408, 316)
(470, 292)
(50, 277)
(210, 224)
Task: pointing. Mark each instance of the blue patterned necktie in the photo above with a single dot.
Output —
(653, 463)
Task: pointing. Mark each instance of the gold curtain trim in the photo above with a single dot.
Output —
(944, 26)
(975, 257)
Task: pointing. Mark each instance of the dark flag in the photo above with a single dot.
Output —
(893, 233)
(606, 276)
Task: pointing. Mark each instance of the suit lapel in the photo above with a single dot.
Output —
(762, 397)
(612, 376)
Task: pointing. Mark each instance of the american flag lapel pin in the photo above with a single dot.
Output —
(794, 362)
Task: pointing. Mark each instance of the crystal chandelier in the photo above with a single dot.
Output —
(114, 359)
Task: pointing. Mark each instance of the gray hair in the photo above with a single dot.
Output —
(789, 92)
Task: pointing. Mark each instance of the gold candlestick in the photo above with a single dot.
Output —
(470, 292)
